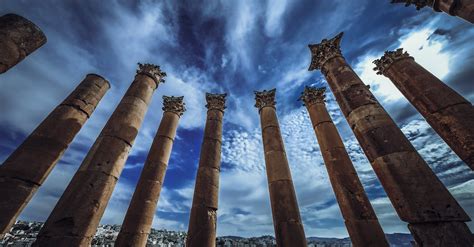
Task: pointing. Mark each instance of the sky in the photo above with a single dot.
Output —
(233, 46)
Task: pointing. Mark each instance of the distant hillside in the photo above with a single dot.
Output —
(24, 233)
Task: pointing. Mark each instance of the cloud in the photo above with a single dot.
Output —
(273, 17)
(236, 47)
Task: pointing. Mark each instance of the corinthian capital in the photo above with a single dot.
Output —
(389, 57)
(322, 52)
(313, 95)
(265, 98)
(174, 104)
(216, 101)
(152, 71)
(419, 4)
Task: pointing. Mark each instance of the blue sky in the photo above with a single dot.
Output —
(235, 46)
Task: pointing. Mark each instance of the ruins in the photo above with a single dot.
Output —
(434, 217)
(136, 226)
(203, 218)
(460, 8)
(286, 214)
(19, 37)
(25, 170)
(92, 185)
(359, 216)
(420, 199)
(450, 114)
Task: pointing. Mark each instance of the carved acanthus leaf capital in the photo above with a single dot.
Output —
(265, 98)
(152, 71)
(174, 104)
(216, 101)
(389, 57)
(322, 52)
(313, 95)
(419, 4)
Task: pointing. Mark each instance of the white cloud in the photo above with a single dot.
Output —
(429, 53)
(273, 17)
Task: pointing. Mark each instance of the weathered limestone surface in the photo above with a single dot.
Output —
(450, 114)
(461, 8)
(137, 223)
(286, 215)
(416, 193)
(76, 216)
(19, 37)
(203, 218)
(29, 165)
(360, 219)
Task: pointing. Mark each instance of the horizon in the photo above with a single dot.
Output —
(234, 47)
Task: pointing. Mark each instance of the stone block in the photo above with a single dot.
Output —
(15, 195)
(108, 155)
(89, 193)
(284, 203)
(210, 154)
(290, 233)
(272, 140)
(206, 190)
(277, 166)
(202, 227)
(268, 117)
(160, 150)
(415, 192)
(366, 233)
(168, 125)
(448, 234)
(318, 114)
(327, 136)
(19, 37)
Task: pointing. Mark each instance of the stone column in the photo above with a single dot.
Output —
(359, 216)
(450, 114)
(25, 170)
(19, 37)
(76, 216)
(137, 223)
(286, 214)
(461, 8)
(418, 196)
(203, 218)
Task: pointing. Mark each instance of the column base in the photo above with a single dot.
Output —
(442, 234)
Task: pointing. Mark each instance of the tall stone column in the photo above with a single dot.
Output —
(137, 223)
(25, 170)
(286, 214)
(19, 37)
(75, 218)
(418, 196)
(461, 8)
(450, 114)
(359, 216)
(203, 218)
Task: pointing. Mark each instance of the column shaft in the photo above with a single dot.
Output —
(136, 226)
(450, 114)
(461, 8)
(203, 218)
(76, 216)
(19, 37)
(360, 219)
(416, 193)
(287, 223)
(25, 170)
